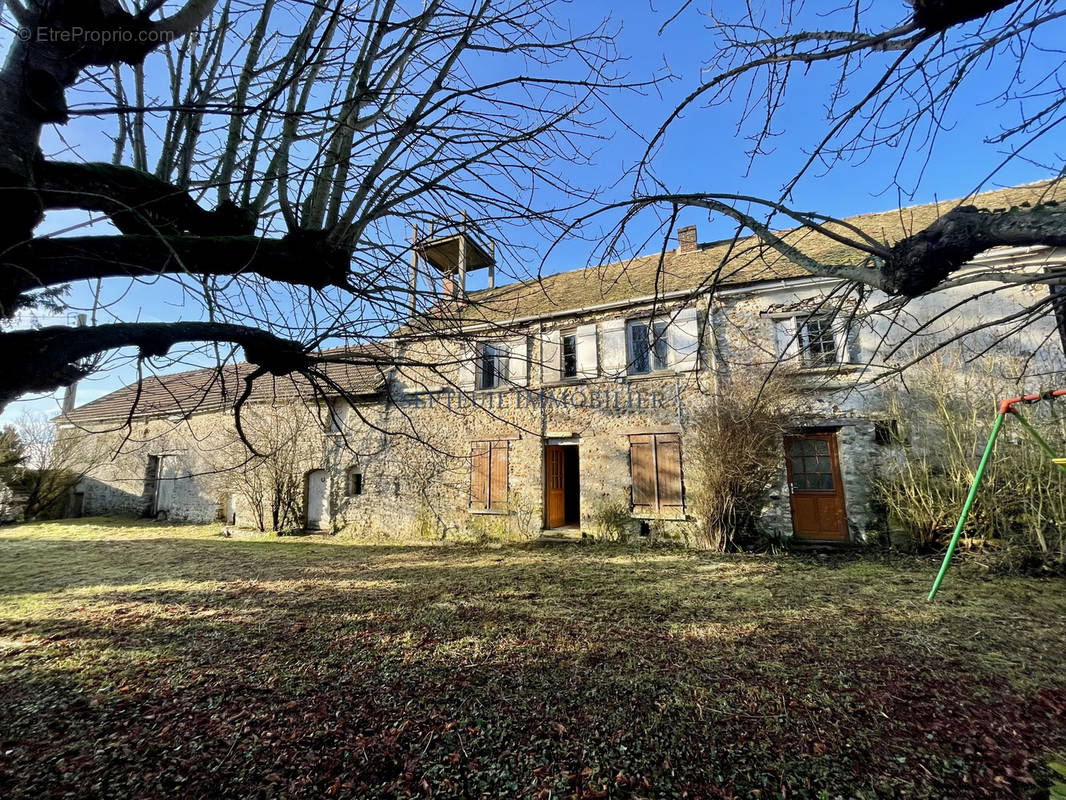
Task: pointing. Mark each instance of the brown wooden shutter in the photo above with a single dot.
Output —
(668, 473)
(498, 458)
(479, 475)
(642, 471)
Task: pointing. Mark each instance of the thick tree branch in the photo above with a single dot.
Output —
(302, 258)
(920, 262)
(939, 15)
(135, 201)
(185, 21)
(49, 358)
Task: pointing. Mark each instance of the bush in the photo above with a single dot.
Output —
(946, 413)
(611, 519)
(737, 456)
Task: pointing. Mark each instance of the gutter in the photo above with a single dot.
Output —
(631, 301)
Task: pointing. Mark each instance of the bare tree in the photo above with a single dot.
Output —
(892, 86)
(52, 465)
(269, 160)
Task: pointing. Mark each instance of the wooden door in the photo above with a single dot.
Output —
(555, 478)
(317, 499)
(815, 490)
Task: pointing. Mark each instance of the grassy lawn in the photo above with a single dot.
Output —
(146, 660)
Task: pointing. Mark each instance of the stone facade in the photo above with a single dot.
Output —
(401, 459)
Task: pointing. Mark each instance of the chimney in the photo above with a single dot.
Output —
(687, 241)
(71, 394)
(447, 286)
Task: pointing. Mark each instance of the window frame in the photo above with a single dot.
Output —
(654, 350)
(793, 339)
(825, 327)
(336, 416)
(571, 335)
(498, 354)
(356, 474)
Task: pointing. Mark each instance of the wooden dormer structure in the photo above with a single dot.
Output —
(452, 250)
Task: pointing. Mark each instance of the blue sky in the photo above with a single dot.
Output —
(702, 152)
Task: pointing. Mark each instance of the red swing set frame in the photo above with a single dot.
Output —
(1005, 407)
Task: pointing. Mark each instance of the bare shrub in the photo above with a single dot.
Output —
(287, 439)
(737, 455)
(611, 518)
(945, 415)
(52, 465)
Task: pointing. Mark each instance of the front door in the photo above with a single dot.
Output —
(555, 476)
(316, 499)
(815, 490)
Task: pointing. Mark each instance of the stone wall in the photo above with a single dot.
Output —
(412, 448)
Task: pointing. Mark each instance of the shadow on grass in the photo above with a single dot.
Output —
(210, 667)
(406, 689)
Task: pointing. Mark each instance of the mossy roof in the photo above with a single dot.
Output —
(722, 264)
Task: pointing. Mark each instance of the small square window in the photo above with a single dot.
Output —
(886, 431)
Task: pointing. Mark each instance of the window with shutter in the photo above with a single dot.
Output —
(648, 347)
(492, 366)
(569, 353)
(655, 468)
(479, 475)
(488, 475)
(819, 340)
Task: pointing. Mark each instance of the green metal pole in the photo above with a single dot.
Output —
(969, 502)
(1039, 439)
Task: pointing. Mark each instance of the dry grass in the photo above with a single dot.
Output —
(147, 660)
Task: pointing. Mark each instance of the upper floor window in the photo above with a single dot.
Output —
(647, 345)
(569, 354)
(337, 411)
(492, 366)
(818, 340)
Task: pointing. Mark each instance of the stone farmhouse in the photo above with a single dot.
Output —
(565, 403)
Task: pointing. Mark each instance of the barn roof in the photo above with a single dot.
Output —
(358, 371)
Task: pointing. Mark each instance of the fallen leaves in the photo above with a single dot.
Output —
(379, 671)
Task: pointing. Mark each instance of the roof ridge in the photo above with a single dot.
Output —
(498, 290)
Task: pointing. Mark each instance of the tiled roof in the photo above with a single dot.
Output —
(728, 263)
(212, 388)
(723, 264)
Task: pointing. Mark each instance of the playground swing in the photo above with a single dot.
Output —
(1005, 407)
